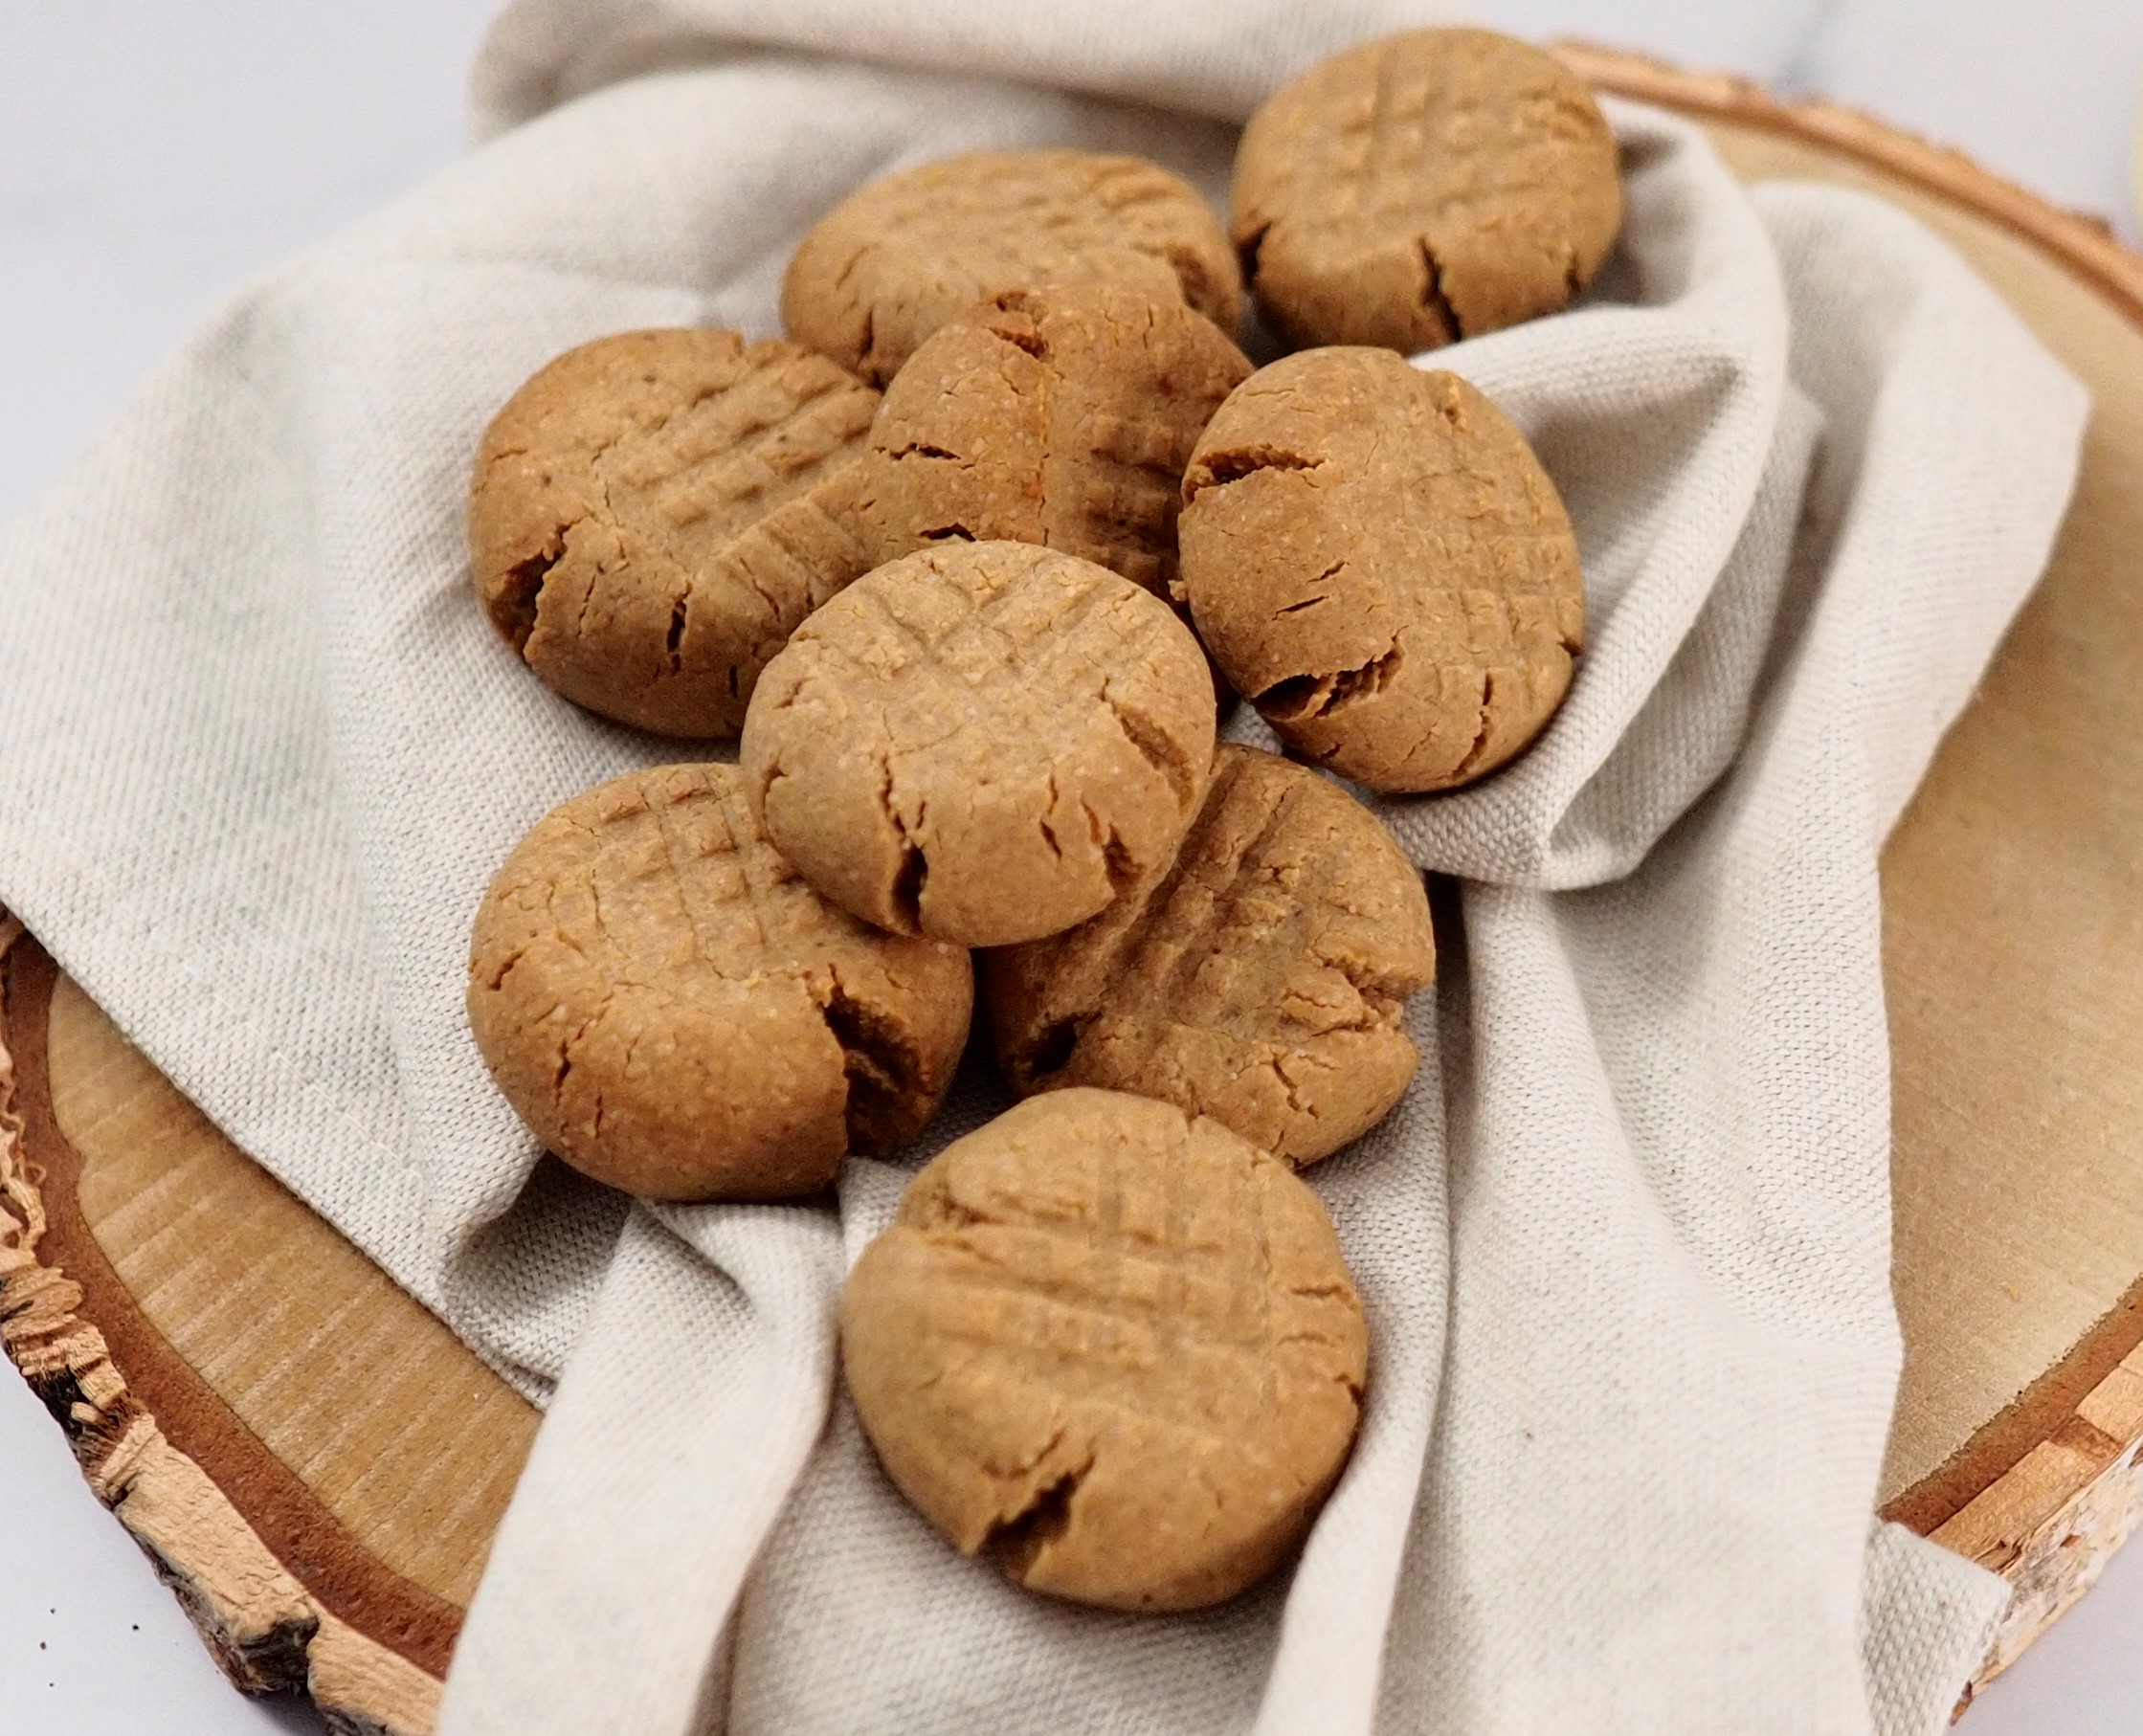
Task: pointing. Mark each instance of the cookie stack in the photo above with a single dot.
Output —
(965, 564)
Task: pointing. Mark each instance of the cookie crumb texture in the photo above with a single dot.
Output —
(1378, 560)
(1259, 980)
(892, 262)
(1061, 416)
(673, 1011)
(982, 743)
(1423, 188)
(1113, 1348)
(647, 523)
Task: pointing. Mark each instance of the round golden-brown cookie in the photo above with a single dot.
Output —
(672, 1011)
(1112, 1347)
(1260, 979)
(892, 262)
(981, 742)
(1377, 562)
(645, 520)
(1061, 416)
(1424, 188)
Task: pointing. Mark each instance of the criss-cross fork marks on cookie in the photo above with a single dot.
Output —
(982, 742)
(1379, 560)
(1259, 980)
(670, 1006)
(1112, 1346)
(1061, 416)
(893, 263)
(1423, 188)
(1146, 1286)
(649, 520)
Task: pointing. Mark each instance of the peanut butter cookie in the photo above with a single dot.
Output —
(1112, 1347)
(1061, 416)
(673, 1011)
(981, 742)
(644, 519)
(1377, 562)
(1259, 979)
(892, 263)
(1422, 189)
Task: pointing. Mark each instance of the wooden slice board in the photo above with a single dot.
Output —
(317, 1465)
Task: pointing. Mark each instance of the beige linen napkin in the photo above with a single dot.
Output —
(1625, 1246)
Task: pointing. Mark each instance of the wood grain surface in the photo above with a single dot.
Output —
(342, 1379)
(317, 1465)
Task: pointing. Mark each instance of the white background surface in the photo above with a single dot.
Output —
(153, 157)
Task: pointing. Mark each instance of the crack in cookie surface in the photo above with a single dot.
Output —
(1422, 189)
(648, 518)
(982, 742)
(893, 263)
(1061, 416)
(1110, 1346)
(1259, 980)
(1374, 554)
(671, 1009)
